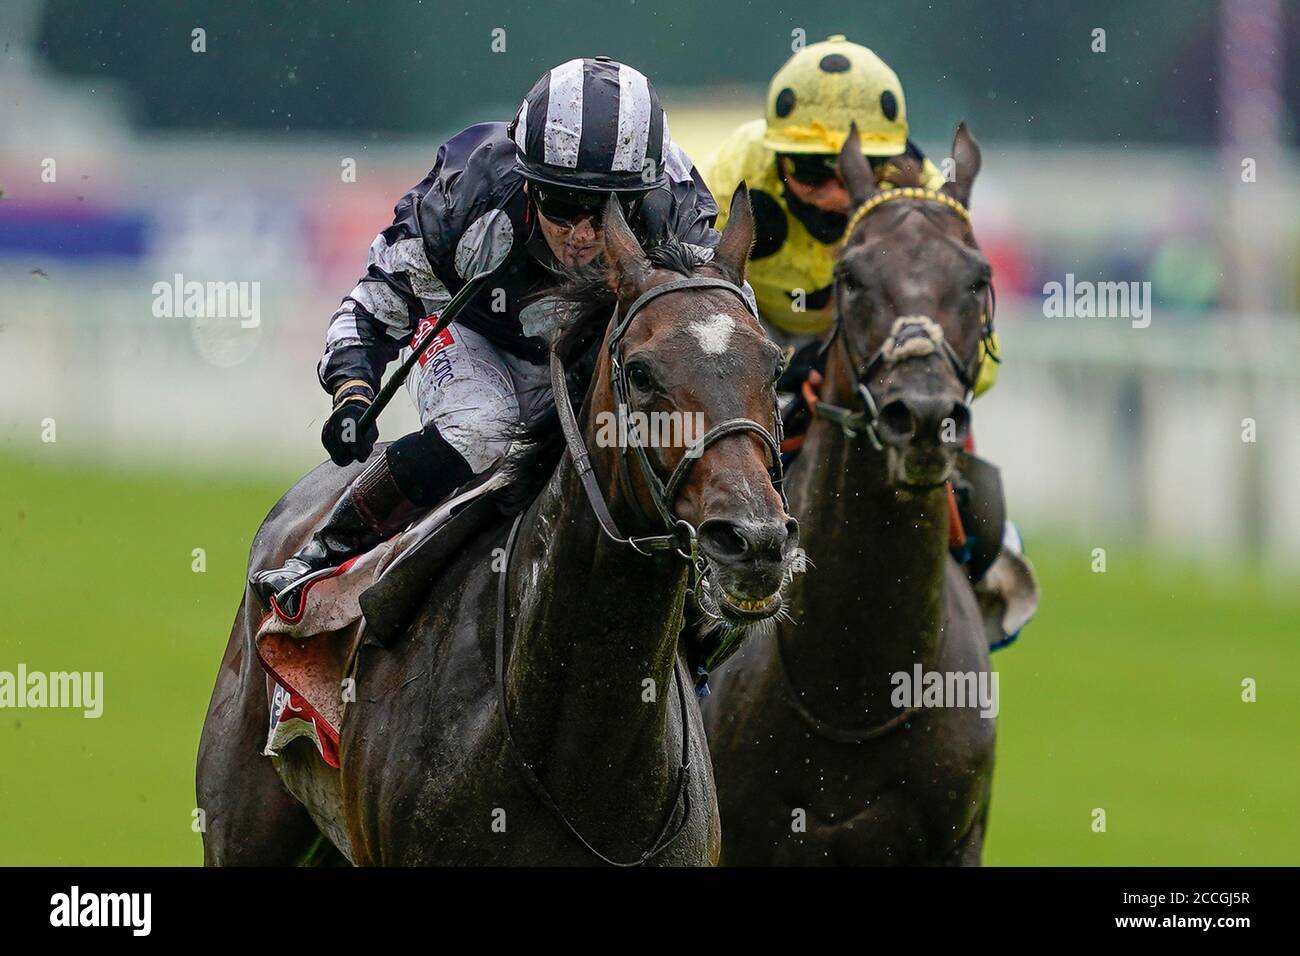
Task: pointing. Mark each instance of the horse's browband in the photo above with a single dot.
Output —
(906, 192)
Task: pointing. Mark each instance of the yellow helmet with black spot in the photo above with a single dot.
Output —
(823, 89)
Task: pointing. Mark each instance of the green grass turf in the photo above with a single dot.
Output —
(1123, 695)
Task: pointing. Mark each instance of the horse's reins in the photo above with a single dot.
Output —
(681, 537)
(864, 421)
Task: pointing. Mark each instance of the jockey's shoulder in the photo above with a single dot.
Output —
(740, 157)
(473, 174)
(476, 167)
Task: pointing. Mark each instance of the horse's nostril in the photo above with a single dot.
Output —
(926, 419)
(746, 540)
(722, 539)
(896, 418)
(791, 532)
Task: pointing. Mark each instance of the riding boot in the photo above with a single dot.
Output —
(981, 505)
(992, 552)
(372, 509)
(1007, 593)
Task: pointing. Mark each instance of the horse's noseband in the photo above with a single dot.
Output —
(904, 339)
(681, 535)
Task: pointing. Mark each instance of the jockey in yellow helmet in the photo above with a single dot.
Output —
(801, 211)
(801, 207)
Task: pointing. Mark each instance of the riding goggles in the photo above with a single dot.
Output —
(566, 208)
(811, 169)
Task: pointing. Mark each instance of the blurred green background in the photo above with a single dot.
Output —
(1124, 694)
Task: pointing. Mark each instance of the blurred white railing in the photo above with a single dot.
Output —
(1097, 426)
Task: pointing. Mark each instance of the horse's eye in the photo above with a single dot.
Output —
(640, 377)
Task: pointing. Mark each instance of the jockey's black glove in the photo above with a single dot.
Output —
(342, 436)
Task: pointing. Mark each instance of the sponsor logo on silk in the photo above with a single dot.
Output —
(442, 370)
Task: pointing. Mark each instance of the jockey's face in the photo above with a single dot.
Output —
(827, 193)
(571, 221)
(572, 245)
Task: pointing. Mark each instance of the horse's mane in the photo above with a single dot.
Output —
(587, 302)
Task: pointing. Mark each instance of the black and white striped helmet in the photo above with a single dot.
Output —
(593, 124)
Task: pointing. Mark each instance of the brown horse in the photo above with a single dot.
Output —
(818, 757)
(542, 716)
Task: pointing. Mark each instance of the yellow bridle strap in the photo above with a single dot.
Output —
(906, 192)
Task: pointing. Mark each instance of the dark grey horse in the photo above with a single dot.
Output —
(429, 772)
(816, 762)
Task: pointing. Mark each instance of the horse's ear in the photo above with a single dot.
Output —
(854, 168)
(629, 267)
(966, 163)
(737, 236)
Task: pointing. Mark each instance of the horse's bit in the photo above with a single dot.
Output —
(680, 537)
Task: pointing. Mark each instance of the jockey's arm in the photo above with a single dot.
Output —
(376, 319)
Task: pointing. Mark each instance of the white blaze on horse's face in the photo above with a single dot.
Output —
(714, 332)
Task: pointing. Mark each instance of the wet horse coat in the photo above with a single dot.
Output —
(428, 775)
(816, 764)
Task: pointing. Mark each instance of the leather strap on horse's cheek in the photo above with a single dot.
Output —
(577, 450)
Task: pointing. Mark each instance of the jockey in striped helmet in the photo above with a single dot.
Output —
(587, 129)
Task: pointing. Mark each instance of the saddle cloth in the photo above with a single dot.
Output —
(308, 658)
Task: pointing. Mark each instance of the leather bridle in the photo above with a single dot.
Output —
(680, 537)
(865, 420)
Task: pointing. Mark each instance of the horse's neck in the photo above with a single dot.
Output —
(592, 643)
(872, 603)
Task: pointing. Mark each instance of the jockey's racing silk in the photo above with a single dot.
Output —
(419, 262)
(788, 259)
